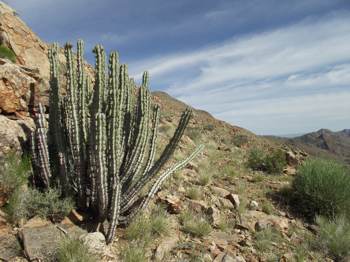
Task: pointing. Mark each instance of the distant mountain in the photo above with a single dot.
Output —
(323, 143)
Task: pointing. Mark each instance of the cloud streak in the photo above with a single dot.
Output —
(269, 75)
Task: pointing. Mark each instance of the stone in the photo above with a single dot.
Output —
(219, 191)
(197, 205)
(279, 223)
(95, 242)
(234, 199)
(165, 246)
(225, 203)
(214, 216)
(40, 243)
(9, 247)
(290, 171)
(14, 135)
(253, 205)
(225, 257)
(173, 203)
(291, 158)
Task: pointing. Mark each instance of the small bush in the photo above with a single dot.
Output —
(240, 140)
(139, 229)
(193, 193)
(159, 222)
(265, 238)
(321, 187)
(31, 202)
(204, 179)
(195, 225)
(334, 237)
(270, 162)
(73, 250)
(134, 253)
(7, 53)
(14, 172)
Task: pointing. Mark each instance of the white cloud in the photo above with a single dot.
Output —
(305, 67)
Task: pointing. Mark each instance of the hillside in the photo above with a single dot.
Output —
(323, 143)
(216, 209)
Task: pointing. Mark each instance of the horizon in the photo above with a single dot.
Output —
(275, 69)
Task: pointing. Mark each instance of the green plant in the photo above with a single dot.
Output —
(333, 237)
(24, 204)
(14, 172)
(73, 250)
(159, 222)
(265, 238)
(102, 140)
(193, 193)
(271, 162)
(139, 229)
(240, 140)
(204, 179)
(321, 187)
(7, 53)
(134, 253)
(195, 225)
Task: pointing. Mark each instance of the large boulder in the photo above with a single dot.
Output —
(14, 135)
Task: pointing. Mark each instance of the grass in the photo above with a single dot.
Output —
(204, 179)
(271, 162)
(30, 203)
(265, 238)
(7, 53)
(333, 237)
(73, 250)
(193, 193)
(134, 253)
(14, 172)
(195, 225)
(143, 227)
(321, 187)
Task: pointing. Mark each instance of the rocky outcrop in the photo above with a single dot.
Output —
(14, 134)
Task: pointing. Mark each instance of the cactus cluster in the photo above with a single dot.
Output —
(101, 142)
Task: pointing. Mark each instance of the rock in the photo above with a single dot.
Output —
(225, 257)
(234, 199)
(290, 171)
(9, 247)
(173, 203)
(197, 205)
(214, 216)
(40, 237)
(281, 224)
(17, 87)
(95, 242)
(14, 135)
(40, 242)
(165, 246)
(225, 203)
(291, 158)
(220, 191)
(253, 205)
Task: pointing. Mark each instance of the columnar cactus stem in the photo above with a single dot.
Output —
(111, 136)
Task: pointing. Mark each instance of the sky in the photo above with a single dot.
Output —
(274, 67)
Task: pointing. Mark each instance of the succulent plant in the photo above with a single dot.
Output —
(102, 141)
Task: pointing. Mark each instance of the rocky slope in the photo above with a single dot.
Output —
(242, 219)
(323, 143)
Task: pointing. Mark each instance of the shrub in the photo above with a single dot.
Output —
(14, 172)
(334, 237)
(204, 179)
(265, 238)
(73, 250)
(139, 229)
(193, 193)
(270, 162)
(134, 253)
(195, 225)
(159, 222)
(7, 53)
(321, 187)
(31, 202)
(240, 140)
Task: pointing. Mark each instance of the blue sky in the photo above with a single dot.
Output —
(271, 66)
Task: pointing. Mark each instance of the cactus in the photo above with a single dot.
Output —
(102, 143)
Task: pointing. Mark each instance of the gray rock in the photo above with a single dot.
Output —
(253, 205)
(165, 246)
(9, 247)
(95, 242)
